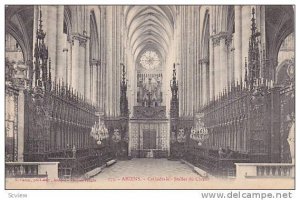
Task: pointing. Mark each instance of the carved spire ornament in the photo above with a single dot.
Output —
(253, 66)
(123, 96)
(42, 72)
(174, 110)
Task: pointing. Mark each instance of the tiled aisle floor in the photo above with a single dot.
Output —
(146, 168)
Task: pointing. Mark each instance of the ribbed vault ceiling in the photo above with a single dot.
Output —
(150, 28)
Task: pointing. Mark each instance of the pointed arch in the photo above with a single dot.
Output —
(205, 36)
(67, 20)
(94, 41)
(19, 24)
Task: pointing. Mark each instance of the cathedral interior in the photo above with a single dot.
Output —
(210, 85)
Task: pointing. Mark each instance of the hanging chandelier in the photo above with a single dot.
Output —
(199, 133)
(99, 132)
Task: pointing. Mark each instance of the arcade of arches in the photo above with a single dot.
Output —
(177, 82)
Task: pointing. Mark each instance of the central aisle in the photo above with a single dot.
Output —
(145, 169)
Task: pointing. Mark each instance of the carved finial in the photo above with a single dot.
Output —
(41, 21)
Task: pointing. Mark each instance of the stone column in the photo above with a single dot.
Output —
(87, 85)
(223, 64)
(109, 76)
(216, 58)
(81, 66)
(69, 45)
(230, 61)
(75, 71)
(184, 66)
(21, 126)
(94, 82)
(102, 86)
(98, 82)
(211, 71)
(50, 27)
(246, 33)
(198, 85)
(191, 59)
(207, 82)
(102, 51)
(204, 80)
(61, 50)
(238, 59)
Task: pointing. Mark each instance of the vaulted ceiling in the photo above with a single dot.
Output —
(150, 28)
(19, 23)
(279, 24)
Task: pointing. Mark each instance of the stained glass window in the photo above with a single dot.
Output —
(150, 60)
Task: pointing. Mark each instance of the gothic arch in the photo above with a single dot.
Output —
(230, 20)
(205, 54)
(19, 23)
(282, 71)
(16, 35)
(67, 20)
(94, 41)
(205, 36)
(279, 24)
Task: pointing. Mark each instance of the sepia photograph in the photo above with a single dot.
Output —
(149, 97)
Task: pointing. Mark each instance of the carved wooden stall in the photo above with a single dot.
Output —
(242, 127)
(175, 145)
(59, 121)
(57, 128)
(243, 123)
(118, 126)
(180, 127)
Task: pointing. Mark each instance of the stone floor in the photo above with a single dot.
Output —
(145, 168)
(147, 173)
